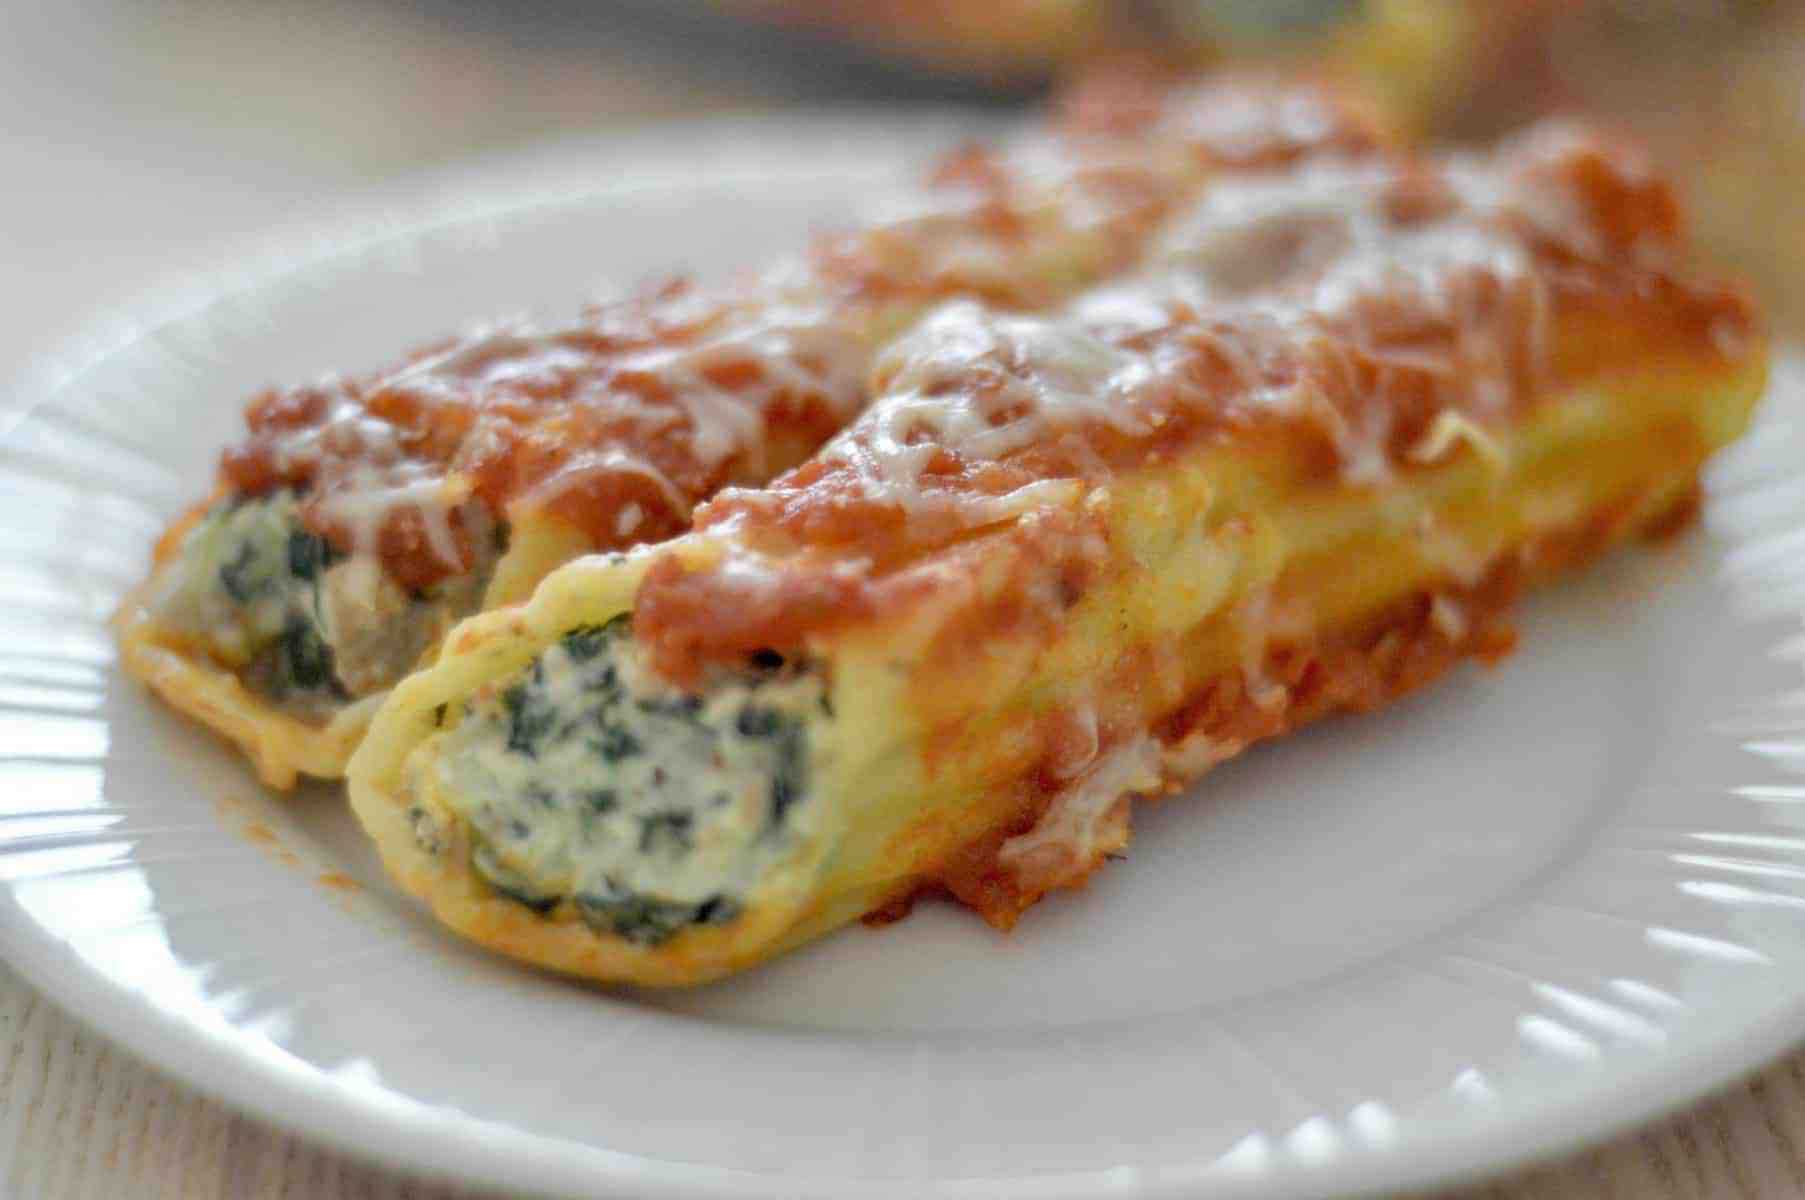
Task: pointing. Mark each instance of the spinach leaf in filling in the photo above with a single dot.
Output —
(587, 779)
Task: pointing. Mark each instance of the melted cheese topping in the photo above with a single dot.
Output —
(1037, 375)
(621, 422)
(1316, 275)
(1086, 820)
(1375, 314)
(1251, 122)
(679, 401)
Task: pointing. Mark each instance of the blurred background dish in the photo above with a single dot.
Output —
(1713, 85)
(137, 134)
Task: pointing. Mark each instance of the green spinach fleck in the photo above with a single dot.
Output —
(530, 717)
(647, 920)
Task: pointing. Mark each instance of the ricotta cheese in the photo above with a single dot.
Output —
(589, 780)
(302, 624)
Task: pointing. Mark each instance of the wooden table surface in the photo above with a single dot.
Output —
(114, 103)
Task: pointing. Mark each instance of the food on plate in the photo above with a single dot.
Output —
(1301, 463)
(360, 517)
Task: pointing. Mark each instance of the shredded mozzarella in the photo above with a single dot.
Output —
(1038, 375)
(1268, 228)
(1448, 617)
(790, 344)
(372, 493)
(1085, 821)
(1254, 618)
(1246, 124)
(1197, 753)
(776, 342)
(1452, 429)
(1316, 264)
(611, 460)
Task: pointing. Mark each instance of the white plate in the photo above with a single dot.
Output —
(1527, 908)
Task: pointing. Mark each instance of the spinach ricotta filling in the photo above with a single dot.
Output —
(588, 780)
(303, 624)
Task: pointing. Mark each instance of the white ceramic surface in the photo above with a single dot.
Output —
(1527, 908)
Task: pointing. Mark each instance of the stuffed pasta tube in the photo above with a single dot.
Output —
(360, 517)
(1301, 465)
